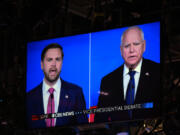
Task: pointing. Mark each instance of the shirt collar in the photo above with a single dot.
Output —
(137, 69)
(56, 86)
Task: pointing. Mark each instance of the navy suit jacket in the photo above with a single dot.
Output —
(148, 90)
(71, 99)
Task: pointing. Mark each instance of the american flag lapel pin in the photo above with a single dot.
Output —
(147, 74)
(66, 96)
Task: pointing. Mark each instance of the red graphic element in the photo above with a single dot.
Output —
(35, 117)
(91, 116)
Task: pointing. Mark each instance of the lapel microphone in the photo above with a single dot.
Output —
(52, 96)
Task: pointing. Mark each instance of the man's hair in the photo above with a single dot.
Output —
(133, 27)
(51, 46)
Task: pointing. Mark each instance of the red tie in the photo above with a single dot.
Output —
(50, 108)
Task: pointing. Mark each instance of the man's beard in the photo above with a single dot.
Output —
(51, 80)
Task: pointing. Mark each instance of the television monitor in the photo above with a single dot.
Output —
(87, 59)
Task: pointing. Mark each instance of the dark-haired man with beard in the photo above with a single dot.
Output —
(54, 95)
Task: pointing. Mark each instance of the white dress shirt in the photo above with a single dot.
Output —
(57, 89)
(126, 78)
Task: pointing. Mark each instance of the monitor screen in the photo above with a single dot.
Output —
(91, 80)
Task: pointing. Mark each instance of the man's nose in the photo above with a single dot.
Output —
(54, 62)
(131, 48)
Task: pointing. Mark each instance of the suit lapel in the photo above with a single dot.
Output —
(119, 85)
(41, 105)
(143, 83)
(63, 104)
(38, 101)
(62, 98)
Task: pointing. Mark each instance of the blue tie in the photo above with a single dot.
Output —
(130, 91)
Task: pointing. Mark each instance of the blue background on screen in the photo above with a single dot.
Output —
(89, 57)
(106, 56)
(75, 68)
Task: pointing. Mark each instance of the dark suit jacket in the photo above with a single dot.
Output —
(71, 99)
(148, 91)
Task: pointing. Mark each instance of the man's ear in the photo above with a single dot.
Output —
(42, 65)
(144, 45)
(121, 49)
